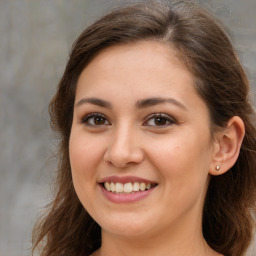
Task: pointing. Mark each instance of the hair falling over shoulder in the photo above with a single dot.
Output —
(228, 225)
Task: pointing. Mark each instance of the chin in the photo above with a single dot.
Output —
(126, 227)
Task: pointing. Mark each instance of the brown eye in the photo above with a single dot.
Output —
(95, 120)
(159, 120)
(98, 120)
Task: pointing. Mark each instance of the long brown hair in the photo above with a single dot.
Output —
(202, 44)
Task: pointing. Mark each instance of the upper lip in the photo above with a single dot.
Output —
(126, 179)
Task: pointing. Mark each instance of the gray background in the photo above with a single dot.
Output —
(35, 39)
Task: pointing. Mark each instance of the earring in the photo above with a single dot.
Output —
(217, 168)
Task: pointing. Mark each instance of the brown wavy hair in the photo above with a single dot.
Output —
(207, 51)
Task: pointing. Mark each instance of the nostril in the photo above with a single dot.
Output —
(123, 159)
(124, 150)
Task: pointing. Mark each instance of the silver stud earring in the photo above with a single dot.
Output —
(217, 168)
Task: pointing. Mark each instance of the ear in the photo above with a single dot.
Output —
(227, 146)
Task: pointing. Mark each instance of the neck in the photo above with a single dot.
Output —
(191, 245)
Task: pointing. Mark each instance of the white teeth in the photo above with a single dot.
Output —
(136, 186)
(148, 186)
(127, 187)
(142, 186)
(119, 188)
(112, 187)
(107, 186)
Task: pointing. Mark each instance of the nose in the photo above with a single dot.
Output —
(124, 148)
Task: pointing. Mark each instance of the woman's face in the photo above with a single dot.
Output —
(140, 144)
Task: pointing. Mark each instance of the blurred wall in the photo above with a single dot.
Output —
(35, 39)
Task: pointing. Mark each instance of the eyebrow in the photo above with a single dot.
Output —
(144, 103)
(95, 101)
(155, 101)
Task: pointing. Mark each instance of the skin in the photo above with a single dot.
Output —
(178, 153)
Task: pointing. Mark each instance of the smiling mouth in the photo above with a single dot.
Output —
(127, 188)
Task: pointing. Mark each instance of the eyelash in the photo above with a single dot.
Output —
(93, 117)
(164, 117)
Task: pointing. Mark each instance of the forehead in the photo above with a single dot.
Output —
(143, 60)
(147, 48)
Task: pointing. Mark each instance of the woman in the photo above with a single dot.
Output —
(157, 139)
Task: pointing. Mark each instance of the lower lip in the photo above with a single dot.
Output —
(126, 198)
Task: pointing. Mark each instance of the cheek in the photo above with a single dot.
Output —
(84, 157)
(84, 152)
(181, 159)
